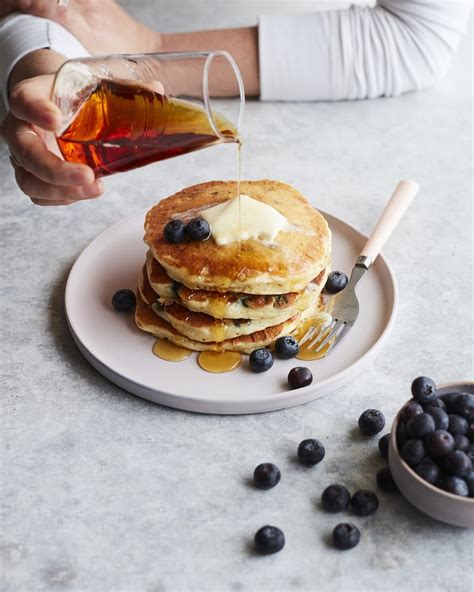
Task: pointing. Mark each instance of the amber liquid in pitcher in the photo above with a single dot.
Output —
(122, 126)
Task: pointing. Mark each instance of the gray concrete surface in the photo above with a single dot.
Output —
(101, 491)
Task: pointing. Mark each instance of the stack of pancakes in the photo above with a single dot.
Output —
(235, 297)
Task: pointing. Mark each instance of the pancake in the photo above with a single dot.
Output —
(298, 254)
(231, 305)
(148, 321)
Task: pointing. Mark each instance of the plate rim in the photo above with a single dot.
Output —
(271, 401)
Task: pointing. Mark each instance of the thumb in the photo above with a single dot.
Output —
(30, 100)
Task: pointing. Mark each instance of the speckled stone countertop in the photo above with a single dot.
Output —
(102, 491)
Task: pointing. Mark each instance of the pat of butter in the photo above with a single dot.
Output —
(231, 221)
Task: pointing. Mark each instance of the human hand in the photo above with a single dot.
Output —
(39, 172)
(102, 26)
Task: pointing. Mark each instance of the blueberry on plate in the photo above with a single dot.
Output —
(299, 377)
(413, 452)
(364, 502)
(266, 475)
(455, 485)
(286, 347)
(461, 443)
(269, 539)
(411, 410)
(345, 536)
(440, 417)
(458, 425)
(124, 300)
(260, 360)
(427, 470)
(175, 231)
(383, 445)
(439, 443)
(336, 282)
(423, 389)
(457, 463)
(198, 229)
(421, 425)
(371, 422)
(385, 480)
(464, 405)
(335, 498)
(311, 452)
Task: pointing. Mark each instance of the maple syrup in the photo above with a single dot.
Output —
(122, 126)
(218, 362)
(166, 350)
(308, 352)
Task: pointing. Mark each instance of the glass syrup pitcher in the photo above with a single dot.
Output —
(121, 112)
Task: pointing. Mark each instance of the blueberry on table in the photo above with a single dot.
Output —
(427, 470)
(455, 485)
(458, 425)
(260, 360)
(266, 475)
(440, 417)
(439, 443)
(423, 389)
(461, 443)
(335, 498)
(198, 229)
(336, 282)
(413, 452)
(464, 405)
(124, 300)
(345, 536)
(175, 231)
(411, 410)
(421, 425)
(385, 480)
(311, 452)
(269, 539)
(457, 463)
(383, 445)
(286, 347)
(371, 422)
(364, 502)
(299, 377)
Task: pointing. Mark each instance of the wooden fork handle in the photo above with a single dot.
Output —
(391, 216)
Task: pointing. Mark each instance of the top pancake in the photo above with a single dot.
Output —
(298, 254)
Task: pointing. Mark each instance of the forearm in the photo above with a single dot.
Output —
(241, 43)
(36, 63)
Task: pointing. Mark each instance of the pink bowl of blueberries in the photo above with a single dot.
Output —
(431, 450)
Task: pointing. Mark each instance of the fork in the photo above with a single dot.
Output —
(346, 308)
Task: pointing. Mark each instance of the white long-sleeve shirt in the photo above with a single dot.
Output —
(355, 53)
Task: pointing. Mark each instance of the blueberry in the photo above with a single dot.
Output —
(266, 475)
(421, 425)
(448, 400)
(439, 443)
(464, 405)
(364, 502)
(440, 417)
(457, 463)
(455, 485)
(427, 470)
(335, 498)
(469, 479)
(175, 231)
(411, 410)
(402, 435)
(198, 229)
(461, 443)
(269, 539)
(423, 389)
(371, 422)
(438, 403)
(311, 452)
(336, 282)
(124, 300)
(286, 347)
(470, 452)
(383, 445)
(413, 452)
(299, 377)
(345, 536)
(458, 425)
(260, 360)
(385, 480)
(470, 429)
